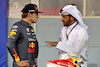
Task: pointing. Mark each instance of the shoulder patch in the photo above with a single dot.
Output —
(15, 26)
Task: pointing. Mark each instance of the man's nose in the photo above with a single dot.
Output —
(62, 19)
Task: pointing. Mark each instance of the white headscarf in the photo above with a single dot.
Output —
(72, 10)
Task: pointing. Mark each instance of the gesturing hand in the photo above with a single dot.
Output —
(51, 43)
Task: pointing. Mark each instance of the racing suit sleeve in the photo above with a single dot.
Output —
(36, 49)
(11, 42)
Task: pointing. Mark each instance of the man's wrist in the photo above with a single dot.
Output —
(36, 58)
(18, 63)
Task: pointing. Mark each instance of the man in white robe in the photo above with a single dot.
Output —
(73, 35)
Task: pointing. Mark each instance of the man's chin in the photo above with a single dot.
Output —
(66, 25)
(33, 22)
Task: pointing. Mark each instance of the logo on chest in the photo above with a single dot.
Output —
(31, 48)
(31, 39)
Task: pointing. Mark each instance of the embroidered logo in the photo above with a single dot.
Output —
(32, 45)
(32, 30)
(12, 33)
(31, 48)
(27, 29)
(35, 8)
(15, 26)
(16, 56)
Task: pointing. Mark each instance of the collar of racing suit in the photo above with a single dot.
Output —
(25, 23)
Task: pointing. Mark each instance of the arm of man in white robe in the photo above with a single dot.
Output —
(76, 45)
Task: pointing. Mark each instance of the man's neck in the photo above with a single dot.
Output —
(25, 19)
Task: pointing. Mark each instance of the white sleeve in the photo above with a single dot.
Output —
(75, 45)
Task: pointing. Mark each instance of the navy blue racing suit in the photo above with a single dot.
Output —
(22, 43)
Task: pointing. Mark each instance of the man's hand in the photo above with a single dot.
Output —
(34, 65)
(36, 60)
(23, 63)
(51, 43)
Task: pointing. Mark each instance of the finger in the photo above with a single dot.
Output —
(47, 44)
(27, 64)
(26, 60)
(34, 65)
(50, 46)
(47, 41)
(35, 61)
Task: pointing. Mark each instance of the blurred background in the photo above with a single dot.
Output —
(49, 24)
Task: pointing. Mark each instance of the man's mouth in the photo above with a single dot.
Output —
(62, 21)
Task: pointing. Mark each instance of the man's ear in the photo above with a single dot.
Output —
(28, 14)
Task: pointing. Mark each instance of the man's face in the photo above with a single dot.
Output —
(34, 17)
(66, 20)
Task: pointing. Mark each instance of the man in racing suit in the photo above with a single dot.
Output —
(21, 42)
